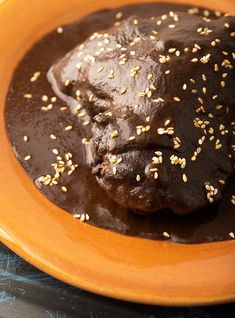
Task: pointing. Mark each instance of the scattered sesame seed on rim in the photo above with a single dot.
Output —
(166, 234)
(60, 30)
(119, 15)
(232, 235)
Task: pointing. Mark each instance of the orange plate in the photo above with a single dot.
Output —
(100, 261)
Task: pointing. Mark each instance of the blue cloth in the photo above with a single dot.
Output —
(29, 293)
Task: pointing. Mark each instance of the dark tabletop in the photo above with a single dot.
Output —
(26, 292)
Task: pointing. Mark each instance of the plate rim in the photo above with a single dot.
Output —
(13, 236)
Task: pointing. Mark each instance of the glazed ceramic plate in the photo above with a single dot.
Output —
(100, 261)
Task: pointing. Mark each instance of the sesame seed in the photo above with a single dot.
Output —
(218, 13)
(86, 123)
(138, 177)
(232, 235)
(222, 84)
(221, 181)
(53, 137)
(114, 170)
(176, 99)
(200, 100)
(35, 76)
(28, 157)
(114, 134)
(123, 91)
(177, 53)
(147, 119)
(205, 59)
(233, 199)
(28, 96)
(64, 189)
(158, 100)
(100, 69)
(77, 215)
(206, 13)
(26, 138)
(184, 177)
(167, 122)
(119, 15)
(204, 77)
(163, 59)
(60, 30)
(213, 43)
(155, 175)
(83, 217)
(44, 98)
(110, 114)
(68, 128)
(184, 87)
(55, 151)
(193, 10)
(66, 82)
(85, 141)
(197, 46)
(166, 234)
(78, 65)
(119, 160)
(131, 138)
(91, 98)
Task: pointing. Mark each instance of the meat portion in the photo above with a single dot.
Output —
(160, 94)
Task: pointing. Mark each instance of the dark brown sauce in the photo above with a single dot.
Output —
(24, 117)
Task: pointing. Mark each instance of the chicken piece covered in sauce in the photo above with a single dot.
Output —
(160, 94)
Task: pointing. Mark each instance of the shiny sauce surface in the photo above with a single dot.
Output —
(39, 129)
